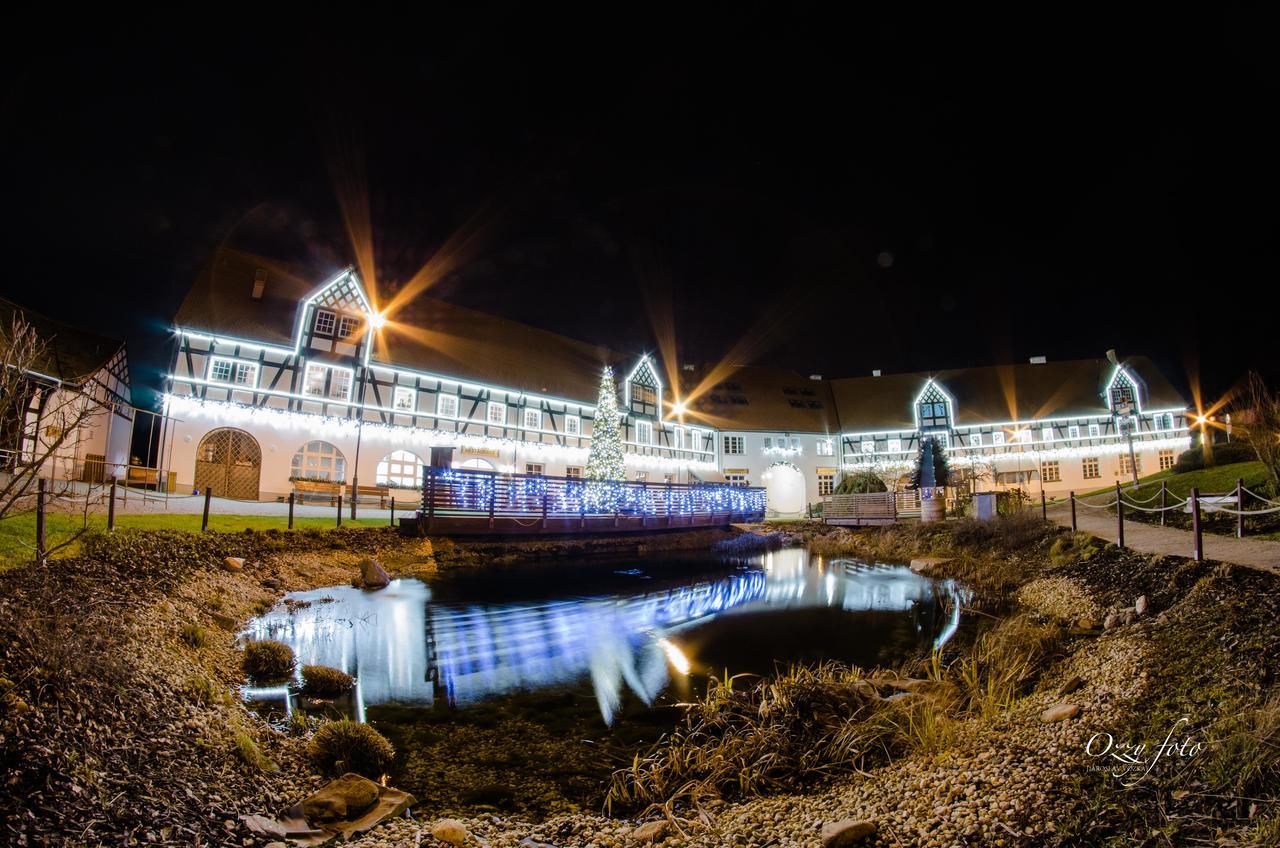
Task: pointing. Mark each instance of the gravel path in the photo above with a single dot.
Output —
(1153, 539)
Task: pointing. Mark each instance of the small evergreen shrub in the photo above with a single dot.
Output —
(268, 660)
(860, 483)
(343, 746)
(324, 682)
(1069, 549)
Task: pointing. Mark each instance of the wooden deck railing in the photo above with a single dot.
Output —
(485, 502)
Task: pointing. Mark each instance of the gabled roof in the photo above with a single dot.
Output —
(997, 393)
(426, 334)
(73, 354)
(757, 398)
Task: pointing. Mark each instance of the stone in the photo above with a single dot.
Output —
(372, 575)
(450, 830)
(1140, 606)
(1112, 620)
(263, 826)
(233, 563)
(846, 832)
(922, 564)
(652, 831)
(1071, 686)
(343, 798)
(1060, 712)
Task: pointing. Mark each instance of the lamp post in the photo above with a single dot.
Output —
(1125, 420)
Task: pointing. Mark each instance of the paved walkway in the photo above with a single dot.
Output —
(1154, 539)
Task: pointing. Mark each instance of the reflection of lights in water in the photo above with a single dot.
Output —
(404, 649)
(675, 655)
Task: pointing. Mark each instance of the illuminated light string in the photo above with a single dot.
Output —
(470, 491)
(865, 461)
(322, 426)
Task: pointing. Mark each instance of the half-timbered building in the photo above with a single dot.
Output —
(282, 382)
(71, 417)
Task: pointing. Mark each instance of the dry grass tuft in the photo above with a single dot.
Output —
(342, 746)
(324, 682)
(268, 660)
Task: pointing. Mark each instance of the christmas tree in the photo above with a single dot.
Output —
(605, 460)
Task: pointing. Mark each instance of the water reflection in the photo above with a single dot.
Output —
(405, 647)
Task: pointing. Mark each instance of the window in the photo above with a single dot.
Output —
(1164, 421)
(1127, 466)
(826, 448)
(232, 371)
(736, 479)
(1166, 460)
(997, 438)
(868, 446)
(644, 432)
(975, 441)
(572, 425)
(325, 322)
(1046, 434)
(1022, 436)
(532, 420)
(496, 413)
(404, 398)
(319, 461)
(1050, 472)
(1095, 431)
(1089, 467)
(1073, 431)
(768, 442)
(895, 446)
(534, 468)
(826, 484)
(400, 469)
(573, 472)
(644, 399)
(339, 380)
(732, 444)
(348, 326)
(447, 406)
(642, 476)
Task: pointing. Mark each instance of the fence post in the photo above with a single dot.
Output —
(204, 519)
(1239, 508)
(111, 508)
(339, 509)
(1119, 516)
(1044, 507)
(291, 497)
(40, 545)
(393, 510)
(1164, 500)
(1197, 538)
(1073, 512)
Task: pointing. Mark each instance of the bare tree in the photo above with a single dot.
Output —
(41, 418)
(1262, 430)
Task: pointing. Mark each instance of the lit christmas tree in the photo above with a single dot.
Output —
(605, 460)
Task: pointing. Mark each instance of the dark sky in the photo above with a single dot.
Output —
(846, 193)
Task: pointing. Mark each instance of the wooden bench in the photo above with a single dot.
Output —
(367, 494)
(860, 509)
(317, 490)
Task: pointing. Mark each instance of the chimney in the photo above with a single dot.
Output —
(259, 283)
(1039, 360)
(875, 373)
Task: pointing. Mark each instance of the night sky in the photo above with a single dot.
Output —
(844, 193)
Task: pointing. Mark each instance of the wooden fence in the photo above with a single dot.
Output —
(467, 501)
(857, 510)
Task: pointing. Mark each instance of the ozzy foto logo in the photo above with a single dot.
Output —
(1132, 762)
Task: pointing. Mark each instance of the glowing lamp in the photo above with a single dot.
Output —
(679, 408)
(377, 320)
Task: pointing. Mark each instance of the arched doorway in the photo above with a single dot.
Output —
(784, 490)
(229, 462)
(478, 464)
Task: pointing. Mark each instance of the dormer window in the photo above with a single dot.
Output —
(348, 326)
(933, 408)
(644, 390)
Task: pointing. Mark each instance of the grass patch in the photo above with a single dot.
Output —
(1218, 479)
(195, 635)
(342, 746)
(268, 660)
(247, 751)
(324, 682)
(18, 532)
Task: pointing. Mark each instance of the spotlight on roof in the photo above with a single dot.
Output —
(377, 320)
(679, 408)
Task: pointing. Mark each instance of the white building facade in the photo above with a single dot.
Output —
(280, 384)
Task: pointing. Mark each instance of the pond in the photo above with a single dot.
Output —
(590, 655)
